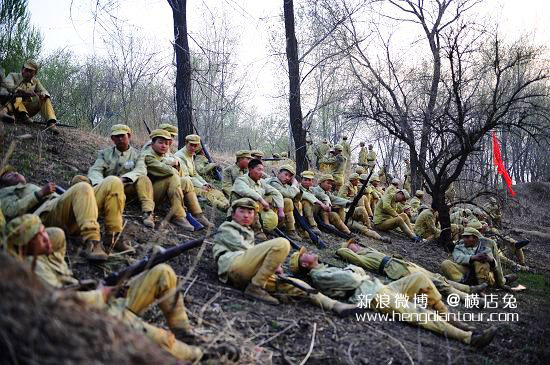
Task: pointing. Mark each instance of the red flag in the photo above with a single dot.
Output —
(497, 160)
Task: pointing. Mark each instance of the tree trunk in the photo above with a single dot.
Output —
(438, 196)
(298, 132)
(184, 110)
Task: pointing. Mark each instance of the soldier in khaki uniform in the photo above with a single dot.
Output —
(286, 184)
(476, 259)
(30, 97)
(407, 179)
(323, 192)
(124, 161)
(346, 152)
(76, 211)
(425, 225)
(321, 152)
(362, 160)
(28, 241)
(172, 129)
(239, 168)
(202, 188)
(254, 267)
(310, 154)
(395, 268)
(374, 194)
(267, 198)
(337, 163)
(494, 211)
(310, 201)
(371, 158)
(164, 171)
(416, 201)
(386, 217)
(353, 283)
(257, 154)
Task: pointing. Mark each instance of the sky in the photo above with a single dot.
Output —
(70, 24)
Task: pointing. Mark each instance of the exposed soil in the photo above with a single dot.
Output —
(283, 334)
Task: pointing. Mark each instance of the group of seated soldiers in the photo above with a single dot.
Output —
(255, 203)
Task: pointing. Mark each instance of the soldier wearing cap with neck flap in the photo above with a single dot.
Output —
(44, 250)
(202, 188)
(29, 96)
(352, 283)
(164, 170)
(232, 172)
(125, 162)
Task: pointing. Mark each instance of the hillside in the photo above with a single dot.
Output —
(283, 334)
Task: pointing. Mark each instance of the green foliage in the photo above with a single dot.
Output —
(537, 284)
(19, 40)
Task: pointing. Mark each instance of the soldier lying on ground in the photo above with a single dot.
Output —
(202, 188)
(476, 260)
(44, 250)
(395, 268)
(76, 211)
(125, 162)
(352, 282)
(254, 267)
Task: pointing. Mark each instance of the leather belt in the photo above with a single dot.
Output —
(383, 264)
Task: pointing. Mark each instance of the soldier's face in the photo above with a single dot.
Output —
(308, 260)
(28, 74)
(375, 184)
(244, 216)
(12, 178)
(192, 147)
(40, 244)
(354, 247)
(285, 176)
(326, 185)
(121, 141)
(470, 241)
(307, 183)
(400, 197)
(354, 182)
(161, 146)
(256, 173)
(243, 162)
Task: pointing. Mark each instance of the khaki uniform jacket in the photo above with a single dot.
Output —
(287, 191)
(370, 259)
(204, 167)
(346, 149)
(493, 210)
(188, 168)
(362, 156)
(415, 203)
(348, 191)
(110, 161)
(245, 187)
(14, 82)
(462, 254)
(329, 198)
(23, 198)
(424, 225)
(231, 241)
(371, 158)
(349, 282)
(337, 162)
(230, 174)
(158, 166)
(385, 208)
(308, 195)
(322, 150)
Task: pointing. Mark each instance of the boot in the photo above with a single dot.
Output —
(94, 251)
(226, 350)
(293, 236)
(182, 222)
(50, 126)
(521, 244)
(483, 338)
(148, 220)
(316, 230)
(5, 117)
(385, 239)
(186, 334)
(204, 221)
(345, 309)
(24, 118)
(116, 242)
(260, 235)
(259, 293)
(510, 278)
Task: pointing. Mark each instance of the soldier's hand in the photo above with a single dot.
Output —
(207, 187)
(279, 270)
(281, 213)
(264, 204)
(47, 189)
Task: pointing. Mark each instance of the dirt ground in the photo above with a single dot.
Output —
(284, 334)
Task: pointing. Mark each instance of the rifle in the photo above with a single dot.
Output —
(147, 127)
(330, 229)
(293, 243)
(195, 223)
(57, 124)
(359, 195)
(302, 222)
(148, 262)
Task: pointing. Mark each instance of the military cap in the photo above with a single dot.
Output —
(284, 154)
(404, 192)
(422, 207)
(338, 147)
(354, 176)
(7, 169)
(346, 244)
(276, 155)
(395, 181)
(469, 231)
(294, 263)
(308, 174)
(193, 138)
(362, 177)
(173, 130)
(119, 129)
(244, 203)
(467, 211)
(288, 168)
(419, 193)
(326, 177)
(370, 145)
(360, 170)
(31, 65)
(257, 153)
(21, 230)
(161, 133)
(361, 143)
(243, 153)
(475, 224)
(375, 179)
